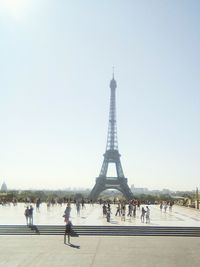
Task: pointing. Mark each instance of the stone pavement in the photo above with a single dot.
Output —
(50, 251)
(92, 215)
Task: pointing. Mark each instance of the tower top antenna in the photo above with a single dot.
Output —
(113, 72)
(113, 84)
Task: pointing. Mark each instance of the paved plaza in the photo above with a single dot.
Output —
(92, 215)
(94, 251)
(49, 251)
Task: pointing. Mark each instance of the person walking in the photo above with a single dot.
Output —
(68, 231)
(143, 211)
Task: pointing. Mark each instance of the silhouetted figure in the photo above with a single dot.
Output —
(104, 209)
(170, 205)
(26, 213)
(165, 207)
(134, 210)
(130, 209)
(108, 214)
(67, 212)
(78, 206)
(38, 204)
(83, 204)
(30, 215)
(147, 215)
(123, 210)
(143, 211)
(118, 210)
(68, 231)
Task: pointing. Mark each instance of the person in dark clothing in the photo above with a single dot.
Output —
(26, 213)
(108, 214)
(142, 214)
(30, 215)
(118, 210)
(68, 231)
(104, 210)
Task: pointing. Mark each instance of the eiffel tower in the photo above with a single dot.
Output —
(111, 156)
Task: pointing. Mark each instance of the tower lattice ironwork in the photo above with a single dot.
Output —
(111, 156)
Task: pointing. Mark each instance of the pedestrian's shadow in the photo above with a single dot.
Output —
(72, 245)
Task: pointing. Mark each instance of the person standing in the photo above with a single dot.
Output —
(83, 203)
(118, 210)
(147, 215)
(38, 202)
(123, 212)
(165, 207)
(26, 213)
(108, 214)
(134, 210)
(104, 210)
(161, 205)
(130, 209)
(30, 215)
(78, 206)
(142, 214)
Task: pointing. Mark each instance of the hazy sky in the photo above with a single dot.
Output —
(56, 59)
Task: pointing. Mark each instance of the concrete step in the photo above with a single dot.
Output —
(100, 230)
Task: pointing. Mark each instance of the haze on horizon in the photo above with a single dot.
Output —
(55, 68)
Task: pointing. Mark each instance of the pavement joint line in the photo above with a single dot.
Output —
(95, 254)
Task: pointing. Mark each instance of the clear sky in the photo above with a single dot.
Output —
(56, 59)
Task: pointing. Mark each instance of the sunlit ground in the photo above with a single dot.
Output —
(92, 215)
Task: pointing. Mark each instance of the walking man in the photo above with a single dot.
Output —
(68, 231)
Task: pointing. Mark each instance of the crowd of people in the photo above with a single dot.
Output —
(123, 209)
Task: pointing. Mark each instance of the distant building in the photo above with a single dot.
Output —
(166, 191)
(4, 187)
(139, 190)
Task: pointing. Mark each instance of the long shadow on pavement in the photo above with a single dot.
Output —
(72, 245)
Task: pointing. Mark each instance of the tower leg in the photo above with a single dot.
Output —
(103, 183)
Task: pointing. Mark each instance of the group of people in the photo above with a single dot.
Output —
(164, 205)
(121, 211)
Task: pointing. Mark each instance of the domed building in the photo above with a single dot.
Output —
(4, 187)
